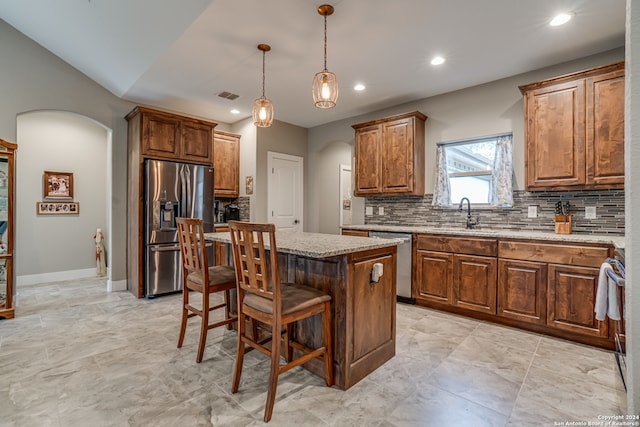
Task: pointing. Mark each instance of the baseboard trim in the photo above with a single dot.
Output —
(57, 276)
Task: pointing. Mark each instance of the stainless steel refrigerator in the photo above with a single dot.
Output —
(172, 190)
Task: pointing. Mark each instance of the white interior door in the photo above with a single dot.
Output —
(345, 195)
(285, 197)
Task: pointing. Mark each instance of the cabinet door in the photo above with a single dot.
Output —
(571, 300)
(160, 136)
(474, 283)
(373, 326)
(196, 142)
(433, 278)
(555, 136)
(605, 129)
(522, 290)
(368, 162)
(226, 164)
(397, 156)
(220, 249)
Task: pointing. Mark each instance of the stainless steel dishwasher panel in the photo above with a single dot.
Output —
(403, 267)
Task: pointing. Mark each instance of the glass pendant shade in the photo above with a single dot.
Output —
(325, 83)
(262, 112)
(262, 107)
(325, 89)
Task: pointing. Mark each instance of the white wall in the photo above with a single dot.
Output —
(248, 135)
(283, 138)
(61, 142)
(477, 111)
(34, 79)
(632, 204)
(324, 161)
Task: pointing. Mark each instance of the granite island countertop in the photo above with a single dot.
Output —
(607, 239)
(316, 245)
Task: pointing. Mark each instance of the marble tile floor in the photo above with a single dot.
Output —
(76, 355)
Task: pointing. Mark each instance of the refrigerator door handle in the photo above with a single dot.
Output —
(186, 196)
(183, 191)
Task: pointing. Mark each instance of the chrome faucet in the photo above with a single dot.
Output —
(471, 222)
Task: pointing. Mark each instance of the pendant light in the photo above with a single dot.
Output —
(263, 107)
(325, 84)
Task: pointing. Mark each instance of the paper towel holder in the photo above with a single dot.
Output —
(376, 272)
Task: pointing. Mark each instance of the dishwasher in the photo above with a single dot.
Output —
(403, 267)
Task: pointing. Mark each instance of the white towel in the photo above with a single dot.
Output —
(606, 295)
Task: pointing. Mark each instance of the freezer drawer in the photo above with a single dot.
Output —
(164, 269)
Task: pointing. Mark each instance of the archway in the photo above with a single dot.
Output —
(61, 247)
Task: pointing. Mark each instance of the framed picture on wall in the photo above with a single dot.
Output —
(57, 208)
(58, 185)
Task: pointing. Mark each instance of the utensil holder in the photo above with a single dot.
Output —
(563, 224)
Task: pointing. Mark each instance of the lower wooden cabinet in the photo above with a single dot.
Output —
(460, 272)
(434, 275)
(375, 309)
(474, 283)
(522, 290)
(540, 286)
(571, 300)
(221, 249)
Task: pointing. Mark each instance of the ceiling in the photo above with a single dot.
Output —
(180, 55)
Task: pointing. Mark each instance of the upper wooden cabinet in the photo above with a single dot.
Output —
(170, 136)
(226, 164)
(574, 130)
(389, 156)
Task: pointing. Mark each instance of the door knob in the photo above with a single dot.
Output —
(295, 221)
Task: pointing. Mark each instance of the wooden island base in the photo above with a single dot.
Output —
(363, 314)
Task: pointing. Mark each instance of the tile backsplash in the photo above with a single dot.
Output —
(418, 211)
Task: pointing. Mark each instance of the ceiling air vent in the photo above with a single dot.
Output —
(228, 95)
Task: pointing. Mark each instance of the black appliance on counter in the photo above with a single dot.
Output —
(231, 212)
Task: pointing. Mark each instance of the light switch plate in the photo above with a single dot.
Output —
(532, 212)
(590, 212)
(368, 210)
(381, 210)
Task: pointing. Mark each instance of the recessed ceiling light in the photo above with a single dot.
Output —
(359, 87)
(234, 111)
(560, 19)
(437, 60)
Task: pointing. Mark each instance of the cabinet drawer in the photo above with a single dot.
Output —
(458, 245)
(585, 256)
(361, 233)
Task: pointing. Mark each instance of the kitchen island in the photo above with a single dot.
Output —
(363, 313)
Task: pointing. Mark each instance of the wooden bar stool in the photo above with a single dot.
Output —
(262, 297)
(199, 277)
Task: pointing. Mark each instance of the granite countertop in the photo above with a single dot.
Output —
(316, 245)
(616, 241)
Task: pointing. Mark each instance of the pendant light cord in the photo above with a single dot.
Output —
(263, 55)
(325, 43)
